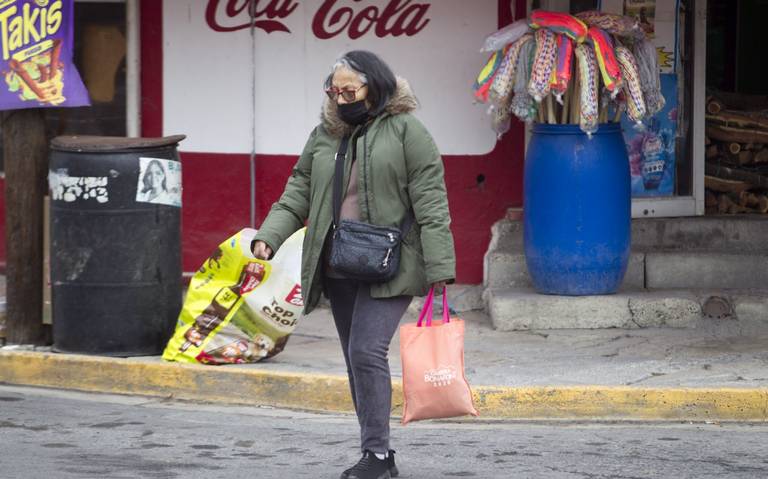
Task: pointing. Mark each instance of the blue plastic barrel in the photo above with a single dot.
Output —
(577, 209)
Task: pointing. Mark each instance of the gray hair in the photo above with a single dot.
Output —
(342, 62)
(373, 72)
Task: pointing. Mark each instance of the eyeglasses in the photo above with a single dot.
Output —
(348, 94)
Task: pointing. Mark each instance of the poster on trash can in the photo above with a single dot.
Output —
(159, 182)
(36, 64)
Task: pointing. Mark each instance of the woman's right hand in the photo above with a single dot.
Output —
(261, 250)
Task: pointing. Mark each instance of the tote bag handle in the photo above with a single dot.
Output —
(427, 310)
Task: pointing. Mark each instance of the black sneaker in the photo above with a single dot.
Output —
(393, 472)
(368, 467)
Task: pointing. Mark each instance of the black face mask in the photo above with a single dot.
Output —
(355, 113)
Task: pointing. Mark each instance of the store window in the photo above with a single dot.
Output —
(99, 54)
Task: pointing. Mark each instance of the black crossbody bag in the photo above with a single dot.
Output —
(362, 251)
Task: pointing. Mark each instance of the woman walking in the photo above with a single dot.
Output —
(392, 177)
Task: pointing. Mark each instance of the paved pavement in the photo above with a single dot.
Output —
(721, 354)
(715, 372)
(67, 435)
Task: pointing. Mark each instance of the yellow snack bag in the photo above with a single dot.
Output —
(240, 309)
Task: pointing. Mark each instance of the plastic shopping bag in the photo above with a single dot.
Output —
(434, 385)
(509, 34)
(240, 309)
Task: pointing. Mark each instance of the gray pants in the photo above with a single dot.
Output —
(366, 326)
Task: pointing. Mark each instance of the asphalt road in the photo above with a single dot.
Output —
(64, 435)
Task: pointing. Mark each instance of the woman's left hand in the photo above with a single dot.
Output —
(439, 286)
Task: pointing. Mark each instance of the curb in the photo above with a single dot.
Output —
(314, 392)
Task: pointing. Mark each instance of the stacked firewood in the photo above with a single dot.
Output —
(736, 171)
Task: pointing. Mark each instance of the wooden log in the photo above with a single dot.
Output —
(26, 164)
(761, 156)
(730, 158)
(726, 173)
(710, 198)
(738, 119)
(725, 186)
(722, 204)
(714, 106)
(762, 204)
(745, 198)
(729, 206)
(734, 148)
(740, 101)
(753, 146)
(736, 135)
(725, 204)
(707, 141)
(712, 152)
(757, 202)
(745, 157)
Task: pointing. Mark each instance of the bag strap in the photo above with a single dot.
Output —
(427, 310)
(338, 179)
(407, 223)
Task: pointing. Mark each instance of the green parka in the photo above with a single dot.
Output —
(399, 167)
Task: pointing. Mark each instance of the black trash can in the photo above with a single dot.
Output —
(115, 244)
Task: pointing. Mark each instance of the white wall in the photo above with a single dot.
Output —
(209, 95)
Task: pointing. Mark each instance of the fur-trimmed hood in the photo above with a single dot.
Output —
(403, 101)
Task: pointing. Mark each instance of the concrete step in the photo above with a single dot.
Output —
(506, 269)
(726, 234)
(706, 270)
(665, 270)
(522, 309)
(728, 252)
(507, 235)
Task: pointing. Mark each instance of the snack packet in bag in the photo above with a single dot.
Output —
(240, 309)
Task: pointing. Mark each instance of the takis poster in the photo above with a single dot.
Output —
(36, 65)
(651, 147)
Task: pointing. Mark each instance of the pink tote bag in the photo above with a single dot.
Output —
(432, 352)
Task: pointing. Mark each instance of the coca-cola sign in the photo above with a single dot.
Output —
(296, 44)
(232, 15)
(333, 18)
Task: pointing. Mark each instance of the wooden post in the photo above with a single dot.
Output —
(25, 156)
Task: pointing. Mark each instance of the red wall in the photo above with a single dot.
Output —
(216, 199)
(216, 186)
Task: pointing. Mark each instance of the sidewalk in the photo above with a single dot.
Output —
(717, 371)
